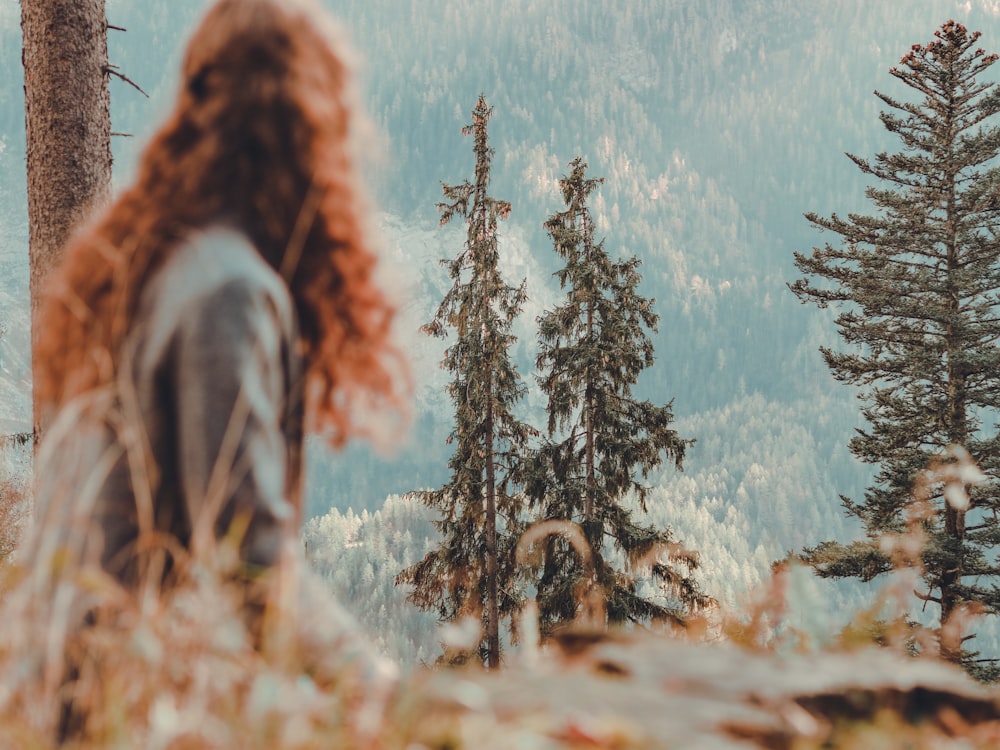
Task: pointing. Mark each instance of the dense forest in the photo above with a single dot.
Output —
(716, 124)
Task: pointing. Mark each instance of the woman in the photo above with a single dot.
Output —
(230, 287)
(222, 303)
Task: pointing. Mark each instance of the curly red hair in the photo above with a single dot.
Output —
(260, 139)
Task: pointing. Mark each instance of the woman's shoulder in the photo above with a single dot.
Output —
(215, 278)
(209, 263)
(214, 258)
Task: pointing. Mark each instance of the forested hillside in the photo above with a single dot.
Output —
(717, 124)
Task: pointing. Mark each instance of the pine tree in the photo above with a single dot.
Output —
(917, 284)
(592, 349)
(481, 515)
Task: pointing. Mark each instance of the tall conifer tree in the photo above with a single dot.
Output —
(918, 284)
(481, 517)
(592, 349)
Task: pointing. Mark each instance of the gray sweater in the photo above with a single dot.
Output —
(202, 436)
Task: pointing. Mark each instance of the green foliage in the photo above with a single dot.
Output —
(592, 348)
(861, 559)
(473, 569)
(917, 286)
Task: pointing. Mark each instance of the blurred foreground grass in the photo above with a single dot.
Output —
(180, 671)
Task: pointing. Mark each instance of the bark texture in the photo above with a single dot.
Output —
(68, 124)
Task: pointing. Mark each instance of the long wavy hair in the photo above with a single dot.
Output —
(261, 139)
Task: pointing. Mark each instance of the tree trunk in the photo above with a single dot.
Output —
(588, 398)
(958, 429)
(492, 588)
(593, 527)
(68, 128)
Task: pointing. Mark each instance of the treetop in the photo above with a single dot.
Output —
(952, 41)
